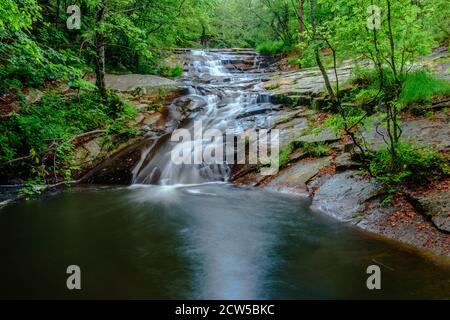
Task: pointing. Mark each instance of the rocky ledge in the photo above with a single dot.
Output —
(162, 107)
(417, 216)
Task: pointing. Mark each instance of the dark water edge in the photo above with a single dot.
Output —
(212, 241)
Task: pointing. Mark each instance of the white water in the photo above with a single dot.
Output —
(226, 95)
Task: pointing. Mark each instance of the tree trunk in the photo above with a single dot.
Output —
(392, 43)
(317, 55)
(57, 13)
(300, 20)
(100, 53)
(204, 37)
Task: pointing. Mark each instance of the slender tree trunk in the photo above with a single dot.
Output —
(391, 40)
(300, 20)
(393, 124)
(317, 55)
(203, 39)
(100, 53)
(57, 13)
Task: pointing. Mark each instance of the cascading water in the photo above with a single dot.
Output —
(225, 95)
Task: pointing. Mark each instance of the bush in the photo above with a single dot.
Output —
(44, 131)
(308, 58)
(316, 150)
(167, 71)
(177, 71)
(271, 47)
(284, 155)
(420, 86)
(416, 164)
(273, 86)
(366, 96)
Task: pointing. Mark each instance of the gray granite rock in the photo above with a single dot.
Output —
(343, 195)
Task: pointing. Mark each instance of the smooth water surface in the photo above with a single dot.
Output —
(210, 241)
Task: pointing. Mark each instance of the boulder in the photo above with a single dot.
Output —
(88, 154)
(343, 195)
(118, 169)
(345, 162)
(297, 176)
(436, 205)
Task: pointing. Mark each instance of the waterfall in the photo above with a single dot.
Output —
(225, 96)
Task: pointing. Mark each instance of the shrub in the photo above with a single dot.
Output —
(284, 155)
(316, 150)
(416, 164)
(366, 96)
(271, 47)
(273, 86)
(308, 58)
(44, 131)
(177, 71)
(420, 86)
(167, 71)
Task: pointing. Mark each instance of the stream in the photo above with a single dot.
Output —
(183, 232)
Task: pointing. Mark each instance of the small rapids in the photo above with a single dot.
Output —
(224, 95)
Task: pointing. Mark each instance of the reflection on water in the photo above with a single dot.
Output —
(211, 241)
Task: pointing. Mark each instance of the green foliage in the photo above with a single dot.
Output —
(348, 117)
(172, 72)
(307, 58)
(24, 60)
(273, 86)
(271, 47)
(284, 155)
(366, 96)
(44, 132)
(316, 150)
(420, 86)
(415, 164)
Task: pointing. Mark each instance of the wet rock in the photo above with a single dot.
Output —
(436, 205)
(89, 154)
(297, 156)
(433, 132)
(408, 227)
(297, 176)
(290, 99)
(345, 162)
(343, 195)
(292, 131)
(138, 84)
(258, 109)
(327, 135)
(247, 175)
(190, 104)
(306, 82)
(118, 168)
(287, 118)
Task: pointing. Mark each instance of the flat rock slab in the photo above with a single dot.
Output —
(140, 83)
(343, 195)
(344, 162)
(296, 177)
(306, 82)
(437, 206)
(327, 135)
(423, 131)
(290, 134)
